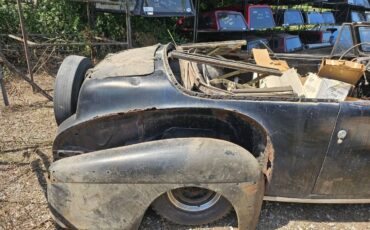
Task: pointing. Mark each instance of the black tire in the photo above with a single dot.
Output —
(165, 208)
(68, 82)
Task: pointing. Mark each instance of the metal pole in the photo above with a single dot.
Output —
(128, 25)
(2, 85)
(25, 38)
(245, 8)
(196, 20)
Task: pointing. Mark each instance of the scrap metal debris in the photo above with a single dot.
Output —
(208, 68)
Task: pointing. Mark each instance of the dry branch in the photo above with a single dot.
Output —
(16, 71)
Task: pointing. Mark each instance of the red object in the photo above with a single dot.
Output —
(180, 21)
(213, 23)
(247, 16)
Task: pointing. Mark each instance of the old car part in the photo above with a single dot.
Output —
(158, 134)
(192, 206)
(342, 134)
(69, 79)
(113, 188)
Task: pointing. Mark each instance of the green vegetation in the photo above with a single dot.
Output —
(68, 20)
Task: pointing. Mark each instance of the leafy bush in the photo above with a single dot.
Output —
(68, 19)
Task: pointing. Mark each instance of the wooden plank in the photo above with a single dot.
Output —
(80, 44)
(214, 44)
(264, 90)
(25, 39)
(231, 74)
(30, 43)
(225, 63)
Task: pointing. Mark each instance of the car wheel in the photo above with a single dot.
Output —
(192, 206)
(68, 82)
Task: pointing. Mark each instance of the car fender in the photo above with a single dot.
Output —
(113, 188)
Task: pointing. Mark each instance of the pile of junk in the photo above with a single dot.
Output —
(219, 68)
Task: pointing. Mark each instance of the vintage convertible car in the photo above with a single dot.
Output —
(145, 128)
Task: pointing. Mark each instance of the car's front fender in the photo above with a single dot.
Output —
(113, 188)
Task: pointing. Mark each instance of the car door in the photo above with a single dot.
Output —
(345, 172)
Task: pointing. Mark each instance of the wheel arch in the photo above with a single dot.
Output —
(134, 127)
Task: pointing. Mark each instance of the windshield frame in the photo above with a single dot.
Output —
(240, 16)
(148, 11)
(317, 14)
(265, 7)
(296, 38)
(291, 11)
(354, 31)
(360, 47)
(331, 15)
(359, 14)
(339, 41)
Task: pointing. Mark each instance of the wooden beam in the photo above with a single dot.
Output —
(214, 44)
(265, 90)
(25, 38)
(30, 43)
(225, 63)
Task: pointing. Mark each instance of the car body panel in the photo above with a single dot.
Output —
(298, 132)
(346, 170)
(113, 188)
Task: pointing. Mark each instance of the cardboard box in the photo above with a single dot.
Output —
(262, 58)
(289, 78)
(322, 88)
(345, 71)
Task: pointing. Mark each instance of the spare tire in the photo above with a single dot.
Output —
(68, 82)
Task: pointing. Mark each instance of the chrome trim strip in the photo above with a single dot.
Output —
(317, 201)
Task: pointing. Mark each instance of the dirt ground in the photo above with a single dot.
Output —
(27, 129)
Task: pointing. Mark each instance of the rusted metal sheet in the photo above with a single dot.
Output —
(134, 62)
(113, 188)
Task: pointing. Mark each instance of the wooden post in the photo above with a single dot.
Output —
(25, 40)
(3, 89)
(91, 22)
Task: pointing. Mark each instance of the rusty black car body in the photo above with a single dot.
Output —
(138, 132)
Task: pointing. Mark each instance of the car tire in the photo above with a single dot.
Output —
(169, 210)
(70, 77)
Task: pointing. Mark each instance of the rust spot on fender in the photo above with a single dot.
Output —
(268, 160)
